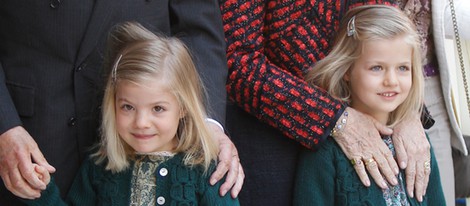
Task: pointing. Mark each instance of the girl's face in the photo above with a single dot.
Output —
(147, 116)
(381, 78)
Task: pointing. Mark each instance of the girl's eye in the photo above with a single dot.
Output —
(403, 68)
(127, 107)
(376, 68)
(158, 109)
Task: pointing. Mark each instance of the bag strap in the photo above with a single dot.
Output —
(459, 51)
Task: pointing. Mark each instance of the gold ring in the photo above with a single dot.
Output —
(356, 161)
(427, 165)
(369, 161)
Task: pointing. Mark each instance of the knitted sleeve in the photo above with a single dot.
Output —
(326, 177)
(434, 194)
(209, 194)
(81, 192)
(315, 180)
(50, 196)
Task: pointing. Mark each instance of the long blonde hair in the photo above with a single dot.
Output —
(135, 54)
(371, 22)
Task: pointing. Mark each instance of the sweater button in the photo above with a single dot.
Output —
(163, 172)
(160, 200)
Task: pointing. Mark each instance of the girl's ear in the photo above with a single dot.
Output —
(346, 76)
(182, 113)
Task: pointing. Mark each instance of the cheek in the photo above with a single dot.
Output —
(406, 84)
(363, 84)
(121, 122)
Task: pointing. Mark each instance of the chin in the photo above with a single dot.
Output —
(143, 149)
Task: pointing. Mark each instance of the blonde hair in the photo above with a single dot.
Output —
(371, 22)
(135, 54)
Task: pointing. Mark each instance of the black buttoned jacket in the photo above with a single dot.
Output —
(51, 77)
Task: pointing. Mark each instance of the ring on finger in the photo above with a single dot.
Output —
(370, 161)
(356, 161)
(427, 165)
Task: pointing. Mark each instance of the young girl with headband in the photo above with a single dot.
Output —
(156, 148)
(375, 66)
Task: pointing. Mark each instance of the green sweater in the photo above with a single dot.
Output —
(94, 185)
(326, 177)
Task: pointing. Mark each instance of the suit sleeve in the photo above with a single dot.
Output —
(8, 115)
(199, 25)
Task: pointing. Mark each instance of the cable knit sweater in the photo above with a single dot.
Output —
(337, 183)
(270, 44)
(177, 185)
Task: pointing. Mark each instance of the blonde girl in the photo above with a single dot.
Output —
(375, 66)
(156, 148)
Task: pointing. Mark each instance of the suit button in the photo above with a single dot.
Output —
(80, 67)
(55, 3)
(72, 121)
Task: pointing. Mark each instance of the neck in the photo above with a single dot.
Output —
(382, 118)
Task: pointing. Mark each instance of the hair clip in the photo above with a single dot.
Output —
(113, 74)
(351, 26)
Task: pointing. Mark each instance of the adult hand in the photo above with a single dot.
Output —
(360, 140)
(413, 153)
(17, 148)
(228, 161)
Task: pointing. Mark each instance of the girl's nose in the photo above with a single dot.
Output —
(141, 120)
(390, 78)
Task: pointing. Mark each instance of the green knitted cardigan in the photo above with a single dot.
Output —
(326, 177)
(94, 185)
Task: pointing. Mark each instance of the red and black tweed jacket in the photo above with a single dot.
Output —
(270, 45)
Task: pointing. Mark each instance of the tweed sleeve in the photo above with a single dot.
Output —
(265, 67)
(270, 45)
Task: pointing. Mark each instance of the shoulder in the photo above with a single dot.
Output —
(188, 183)
(328, 150)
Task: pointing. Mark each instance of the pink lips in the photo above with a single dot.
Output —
(388, 95)
(143, 136)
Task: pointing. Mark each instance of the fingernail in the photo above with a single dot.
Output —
(402, 165)
(395, 181)
(384, 184)
(397, 171)
(224, 192)
(213, 181)
(411, 194)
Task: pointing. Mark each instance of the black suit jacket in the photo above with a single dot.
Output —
(51, 55)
